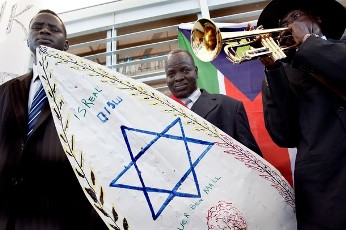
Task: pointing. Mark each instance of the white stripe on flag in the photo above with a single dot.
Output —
(221, 80)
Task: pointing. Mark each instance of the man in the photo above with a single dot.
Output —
(224, 112)
(304, 106)
(38, 188)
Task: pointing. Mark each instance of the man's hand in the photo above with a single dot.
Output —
(299, 30)
(268, 63)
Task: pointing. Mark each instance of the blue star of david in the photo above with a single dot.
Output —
(135, 158)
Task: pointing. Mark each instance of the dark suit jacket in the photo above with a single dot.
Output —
(227, 114)
(301, 110)
(38, 189)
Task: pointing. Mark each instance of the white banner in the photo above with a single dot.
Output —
(146, 162)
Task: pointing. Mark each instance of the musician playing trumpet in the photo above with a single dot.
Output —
(304, 101)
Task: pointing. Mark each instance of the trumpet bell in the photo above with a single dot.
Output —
(206, 40)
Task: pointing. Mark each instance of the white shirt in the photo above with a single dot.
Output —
(193, 97)
(34, 85)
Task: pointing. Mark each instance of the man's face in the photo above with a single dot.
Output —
(181, 75)
(299, 15)
(46, 29)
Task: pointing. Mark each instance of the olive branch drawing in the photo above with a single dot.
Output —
(265, 171)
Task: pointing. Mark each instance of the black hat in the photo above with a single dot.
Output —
(331, 12)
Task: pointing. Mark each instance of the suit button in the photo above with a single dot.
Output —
(341, 109)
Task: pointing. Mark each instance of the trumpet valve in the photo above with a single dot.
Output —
(275, 51)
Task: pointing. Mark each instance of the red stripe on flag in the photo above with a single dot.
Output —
(277, 156)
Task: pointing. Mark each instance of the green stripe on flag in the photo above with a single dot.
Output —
(207, 73)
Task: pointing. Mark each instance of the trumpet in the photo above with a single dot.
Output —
(207, 41)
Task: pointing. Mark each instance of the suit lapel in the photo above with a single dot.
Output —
(20, 96)
(204, 104)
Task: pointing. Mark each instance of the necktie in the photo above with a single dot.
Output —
(35, 110)
(188, 101)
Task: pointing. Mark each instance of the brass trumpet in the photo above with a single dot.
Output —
(207, 42)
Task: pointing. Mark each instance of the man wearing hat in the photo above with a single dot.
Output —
(304, 100)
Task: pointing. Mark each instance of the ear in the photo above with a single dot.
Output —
(196, 69)
(66, 46)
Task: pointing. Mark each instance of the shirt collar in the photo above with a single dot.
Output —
(193, 96)
(35, 74)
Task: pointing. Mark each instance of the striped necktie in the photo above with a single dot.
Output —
(187, 102)
(35, 110)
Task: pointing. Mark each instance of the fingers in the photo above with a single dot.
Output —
(299, 30)
(249, 27)
(268, 62)
(260, 27)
